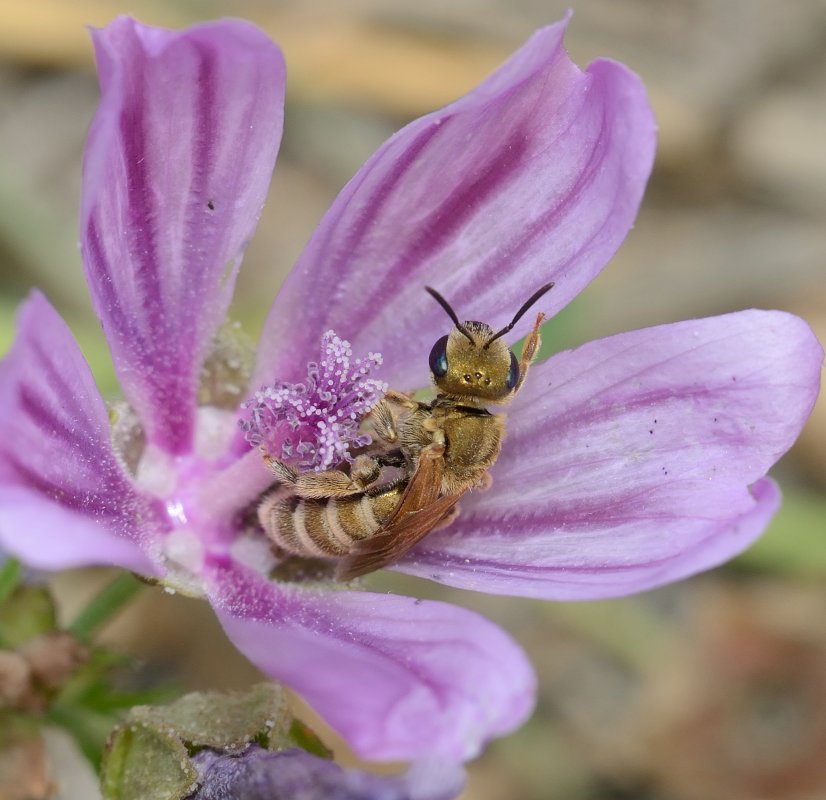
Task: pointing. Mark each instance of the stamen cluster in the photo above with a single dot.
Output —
(315, 424)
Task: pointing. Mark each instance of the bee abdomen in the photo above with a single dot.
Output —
(325, 528)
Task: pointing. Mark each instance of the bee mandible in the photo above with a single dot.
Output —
(440, 449)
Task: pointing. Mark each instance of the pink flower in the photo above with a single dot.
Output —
(629, 462)
(257, 774)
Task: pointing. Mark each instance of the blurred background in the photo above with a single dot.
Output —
(715, 688)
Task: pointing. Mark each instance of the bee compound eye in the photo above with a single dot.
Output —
(438, 358)
(513, 373)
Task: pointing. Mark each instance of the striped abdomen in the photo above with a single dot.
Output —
(326, 528)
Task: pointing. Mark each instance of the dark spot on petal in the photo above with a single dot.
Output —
(211, 205)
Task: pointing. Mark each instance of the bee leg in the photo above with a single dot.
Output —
(330, 483)
(384, 423)
(400, 399)
(384, 420)
(529, 351)
(437, 433)
(365, 471)
(393, 458)
(485, 482)
(281, 471)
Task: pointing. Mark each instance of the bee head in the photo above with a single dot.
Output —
(472, 362)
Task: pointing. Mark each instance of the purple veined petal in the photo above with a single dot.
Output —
(65, 500)
(635, 460)
(258, 774)
(534, 176)
(399, 678)
(175, 174)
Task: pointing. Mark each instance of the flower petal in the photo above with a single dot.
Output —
(534, 176)
(176, 170)
(628, 461)
(399, 678)
(257, 774)
(64, 498)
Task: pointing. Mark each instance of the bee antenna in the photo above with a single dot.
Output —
(450, 312)
(519, 314)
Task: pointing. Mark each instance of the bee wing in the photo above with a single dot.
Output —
(419, 511)
(394, 541)
(424, 486)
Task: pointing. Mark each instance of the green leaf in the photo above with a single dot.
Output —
(149, 755)
(105, 604)
(143, 762)
(222, 720)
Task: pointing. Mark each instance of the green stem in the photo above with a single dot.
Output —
(10, 573)
(106, 603)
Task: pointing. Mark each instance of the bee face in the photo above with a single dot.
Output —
(472, 362)
(466, 363)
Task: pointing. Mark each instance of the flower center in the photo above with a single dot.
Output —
(192, 538)
(316, 424)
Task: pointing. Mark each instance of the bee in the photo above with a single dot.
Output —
(440, 450)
